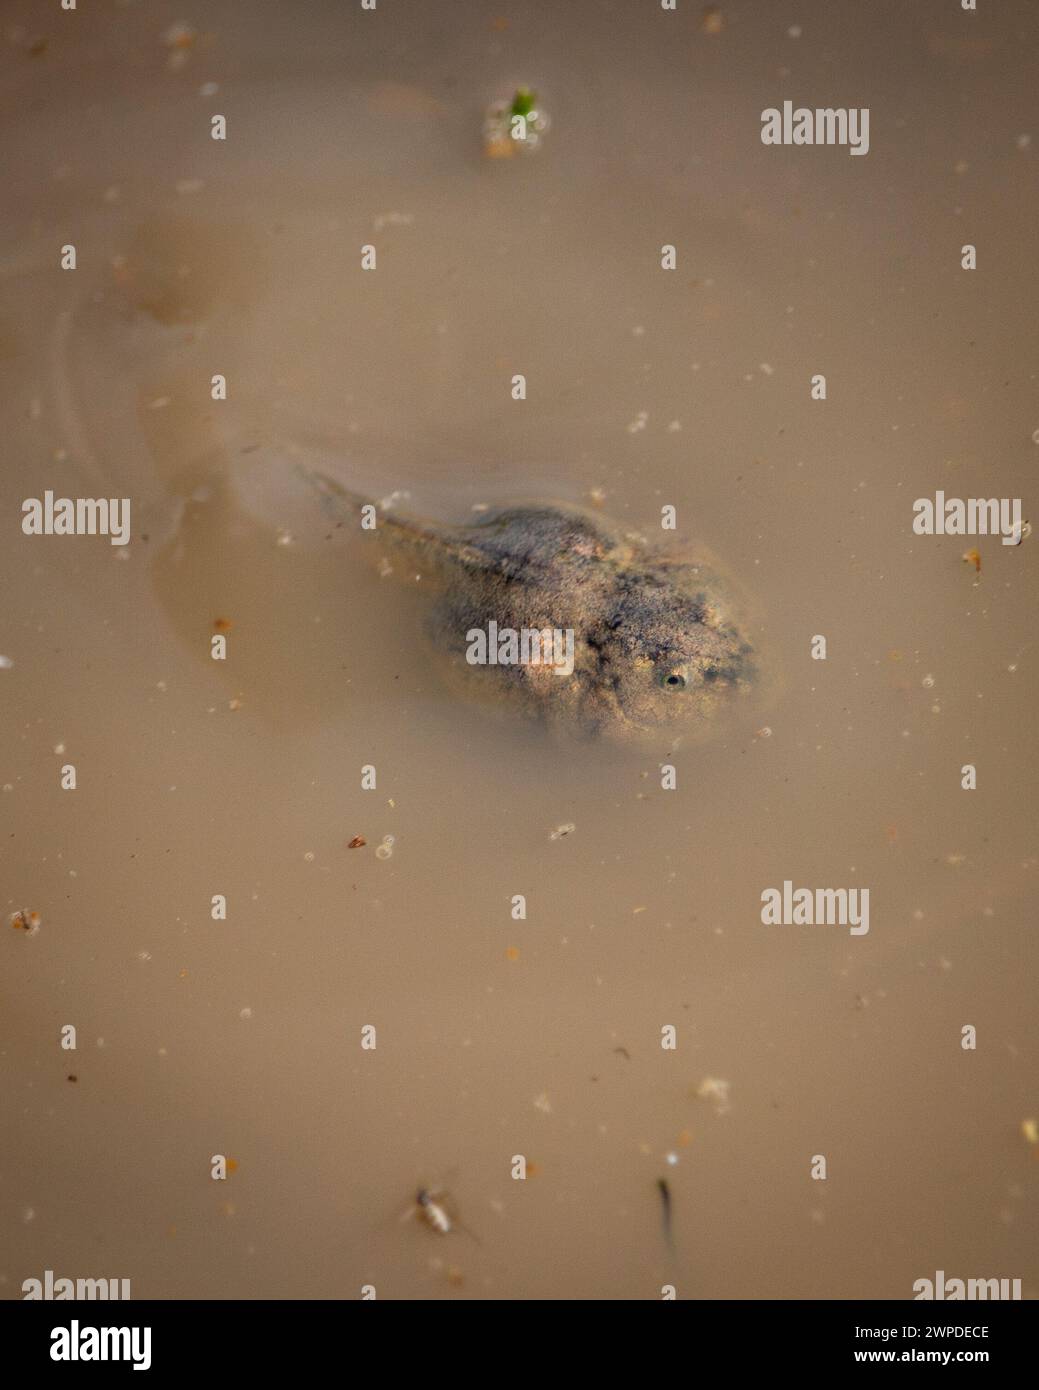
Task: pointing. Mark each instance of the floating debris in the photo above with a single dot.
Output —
(26, 921)
(358, 842)
(715, 1090)
(385, 850)
(665, 1199)
(973, 557)
(392, 219)
(222, 624)
(713, 21)
(392, 498)
(179, 39)
(519, 125)
(179, 36)
(567, 829)
(1030, 1130)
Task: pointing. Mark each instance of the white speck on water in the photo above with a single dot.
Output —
(392, 219)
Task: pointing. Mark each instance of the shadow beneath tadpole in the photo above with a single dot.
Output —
(311, 629)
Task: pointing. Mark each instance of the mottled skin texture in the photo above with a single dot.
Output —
(654, 646)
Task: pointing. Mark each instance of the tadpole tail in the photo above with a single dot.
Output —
(335, 499)
(427, 544)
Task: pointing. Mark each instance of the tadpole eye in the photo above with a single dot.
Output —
(673, 680)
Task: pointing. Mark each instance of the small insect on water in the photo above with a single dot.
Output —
(435, 1212)
(433, 1206)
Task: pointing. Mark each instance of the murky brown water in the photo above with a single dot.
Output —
(499, 1037)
